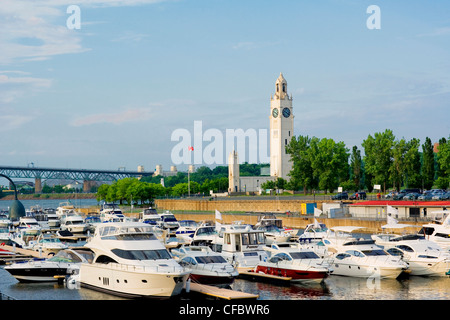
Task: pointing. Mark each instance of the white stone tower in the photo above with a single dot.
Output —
(281, 129)
(233, 172)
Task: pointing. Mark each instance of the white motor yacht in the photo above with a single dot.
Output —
(423, 257)
(241, 245)
(274, 234)
(313, 232)
(168, 221)
(48, 243)
(364, 259)
(204, 235)
(130, 261)
(110, 212)
(205, 265)
(49, 270)
(29, 224)
(5, 221)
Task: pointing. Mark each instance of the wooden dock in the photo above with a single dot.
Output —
(220, 293)
(21, 255)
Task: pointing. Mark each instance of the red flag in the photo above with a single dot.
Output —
(191, 148)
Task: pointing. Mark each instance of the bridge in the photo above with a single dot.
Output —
(85, 175)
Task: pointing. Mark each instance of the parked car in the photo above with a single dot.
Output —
(340, 196)
(427, 195)
(390, 195)
(360, 195)
(439, 195)
(399, 196)
(411, 196)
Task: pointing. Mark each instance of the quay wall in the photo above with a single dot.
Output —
(235, 205)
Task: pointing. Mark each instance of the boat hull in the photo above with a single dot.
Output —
(366, 271)
(38, 274)
(296, 275)
(131, 284)
(211, 280)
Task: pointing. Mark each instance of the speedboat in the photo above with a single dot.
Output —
(49, 270)
(5, 221)
(313, 232)
(301, 265)
(241, 245)
(205, 265)
(204, 235)
(52, 218)
(168, 221)
(150, 216)
(187, 228)
(423, 257)
(130, 261)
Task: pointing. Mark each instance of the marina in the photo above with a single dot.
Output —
(273, 275)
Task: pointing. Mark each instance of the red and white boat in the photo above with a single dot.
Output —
(301, 265)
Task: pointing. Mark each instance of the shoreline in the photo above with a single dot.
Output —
(45, 196)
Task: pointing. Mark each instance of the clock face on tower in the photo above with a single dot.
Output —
(275, 112)
(286, 112)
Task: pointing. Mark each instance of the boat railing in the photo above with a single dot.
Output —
(140, 268)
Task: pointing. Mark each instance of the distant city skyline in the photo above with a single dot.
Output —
(109, 92)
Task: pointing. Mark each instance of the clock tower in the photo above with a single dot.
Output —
(281, 129)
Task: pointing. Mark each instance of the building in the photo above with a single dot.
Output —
(281, 121)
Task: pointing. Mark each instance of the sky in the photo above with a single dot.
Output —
(110, 93)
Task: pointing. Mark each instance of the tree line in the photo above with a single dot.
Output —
(323, 164)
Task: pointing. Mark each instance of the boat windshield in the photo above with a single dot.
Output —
(65, 256)
(142, 254)
(304, 255)
(375, 253)
(205, 231)
(113, 231)
(210, 259)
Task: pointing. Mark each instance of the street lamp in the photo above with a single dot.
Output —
(16, 210)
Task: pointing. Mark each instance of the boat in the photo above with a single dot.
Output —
(274, 234)
(422, 257)
(92, 221)
(187, 228)
(168, 221)
(49, 270)
(241, 245)
(65, 208)
(74, 223)
(130, 261)
(52, 218)
(290, 260)
(150, 216)
(29, 224)
(206, 266)
(364, 259)
(439, 231)
(110, 212)
(48, 243)
(5, 221)
(204, 235)
(313, 232)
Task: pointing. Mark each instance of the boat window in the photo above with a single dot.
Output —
(250, 254)
(245, 238)
(105, 259)
(206, 231)
(342, 256)
(304, 255)
(141, 236)
(355, 253)
(188, 261)
(375, 253)
(210, 259)
(405, 248)
(142, 254)
(443, 235)
(426, 256)
(395, 252)
(426, 231)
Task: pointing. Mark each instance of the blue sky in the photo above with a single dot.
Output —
(110, 94)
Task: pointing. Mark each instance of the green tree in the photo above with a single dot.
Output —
(301, 175)
(378, 156)
(428, 164)
(443, 159)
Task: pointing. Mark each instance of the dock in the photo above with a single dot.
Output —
(21, 255)
(220, 293)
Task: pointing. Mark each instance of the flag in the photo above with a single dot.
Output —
(316, 223)
(218, 225)
(218, 215)
(317, 212)
(191, 148)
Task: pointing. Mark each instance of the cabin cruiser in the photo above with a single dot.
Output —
(29, 224)
(47, 243)
(150, 216)
(274, 234)
(5, 221)
(314, 232)
(290, 260)
(49, 270)
(423, 257)
(130, 261)
(241, 245)
(364, 259)
(65, 208)
(204, 235)
(110, 212)
(92, 221)
(205, 265)
(73, 223)
(53, 220)
(187, 228)
(168, 221)
(439, 231)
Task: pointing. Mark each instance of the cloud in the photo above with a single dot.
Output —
(130, 115)
(13, 121)
(444, 31)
